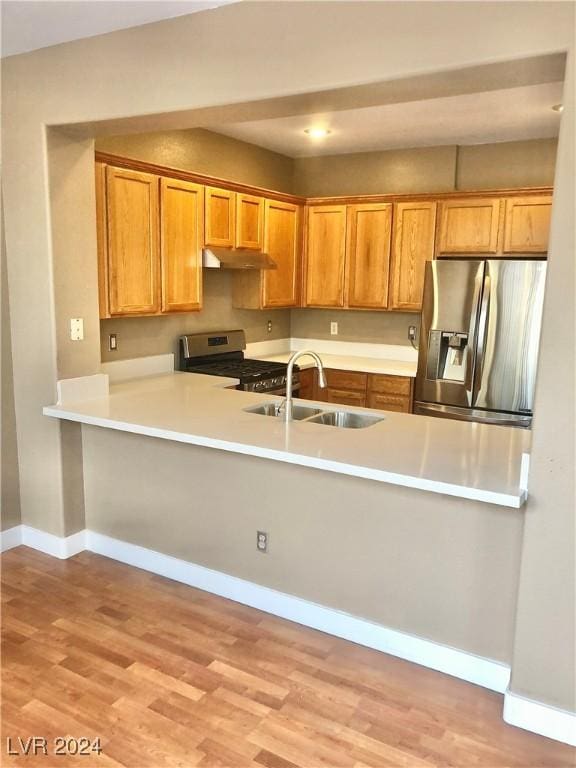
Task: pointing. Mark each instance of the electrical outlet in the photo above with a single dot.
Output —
(261, 541)
(269, 326)
(334, 329)
(412, 332)
(112, 342)
(77, 329)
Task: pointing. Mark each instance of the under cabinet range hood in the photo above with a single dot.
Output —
(236, 258)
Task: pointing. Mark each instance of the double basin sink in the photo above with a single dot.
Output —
(345, 419)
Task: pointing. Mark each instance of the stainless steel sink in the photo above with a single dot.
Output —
(299, 412)
(346, 419)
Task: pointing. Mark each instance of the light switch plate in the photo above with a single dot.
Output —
(77, 329)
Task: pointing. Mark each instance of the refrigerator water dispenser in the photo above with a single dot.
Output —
(447, 354)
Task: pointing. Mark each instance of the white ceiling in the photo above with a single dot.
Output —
(491, 116)
(31, 24)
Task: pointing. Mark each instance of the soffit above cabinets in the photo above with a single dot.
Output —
(511, 114)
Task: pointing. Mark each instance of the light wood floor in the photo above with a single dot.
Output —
(167, 675)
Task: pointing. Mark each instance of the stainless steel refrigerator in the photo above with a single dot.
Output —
(479, 340)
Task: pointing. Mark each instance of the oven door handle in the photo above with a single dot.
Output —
(279, 390)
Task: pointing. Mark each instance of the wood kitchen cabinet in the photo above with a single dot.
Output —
(274, 288)
(390, 393)
(220, 217)
(362, 390)
(249, 222)
(181, 237)
(325, 256)
(149, 235)
(470, 226)
(527, 224)
(131, 250)
(412, 247)
(368, 255)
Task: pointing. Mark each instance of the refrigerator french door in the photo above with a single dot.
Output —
(479, 340)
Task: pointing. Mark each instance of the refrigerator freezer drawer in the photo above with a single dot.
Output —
(473, 414)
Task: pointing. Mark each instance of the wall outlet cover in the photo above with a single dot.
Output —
(334, 329)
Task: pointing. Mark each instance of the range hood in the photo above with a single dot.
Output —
(236, 258)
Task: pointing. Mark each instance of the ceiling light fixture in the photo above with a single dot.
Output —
(317, 133)
(558, 107)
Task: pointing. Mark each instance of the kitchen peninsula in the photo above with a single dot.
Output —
(470, 461)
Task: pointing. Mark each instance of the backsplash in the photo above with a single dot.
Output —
(140, 336)
(375, 327)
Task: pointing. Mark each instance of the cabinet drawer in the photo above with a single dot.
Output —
(385, 402)
(390, 385)
(345, 397)
(346, 379)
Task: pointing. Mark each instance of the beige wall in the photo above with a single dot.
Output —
(430, 169)
(544, 665)
(207, 152)
(439, 567)
(110, 78)
(139, 336)
(509, 164)
(383, 327)
(10, 497)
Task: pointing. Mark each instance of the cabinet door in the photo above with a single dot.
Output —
(181, 221)
(412, 247)
(325, 259)
(368, 255)
(307, 384)
(220, 217)
(102, 239)
(282, 243)
(249, 222)
(527, 224)
(470, 226)
(133, 243)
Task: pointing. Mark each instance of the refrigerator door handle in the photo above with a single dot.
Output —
(481, 343)
(471, 356)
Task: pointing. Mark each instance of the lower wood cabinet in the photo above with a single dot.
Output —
(390, 393)
(362, 390)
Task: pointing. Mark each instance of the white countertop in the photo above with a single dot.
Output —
(472, 461)
(351, 363)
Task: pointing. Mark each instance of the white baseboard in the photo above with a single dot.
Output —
(57, 546)
(540, 718)
(10, 538)
(485, 672)
(523, 713)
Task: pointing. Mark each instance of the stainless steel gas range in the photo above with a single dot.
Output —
(222, 354)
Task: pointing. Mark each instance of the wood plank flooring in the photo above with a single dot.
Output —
(167, 675)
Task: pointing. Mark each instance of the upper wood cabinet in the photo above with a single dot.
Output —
(149, 234)
(220, 217)
(133, 264)
(527, 224)
(282, 242)
(325, 256)
(181, 236)
(368, 255)
(412, 247)
(249, 221)
(469, 226)
(274, 288)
